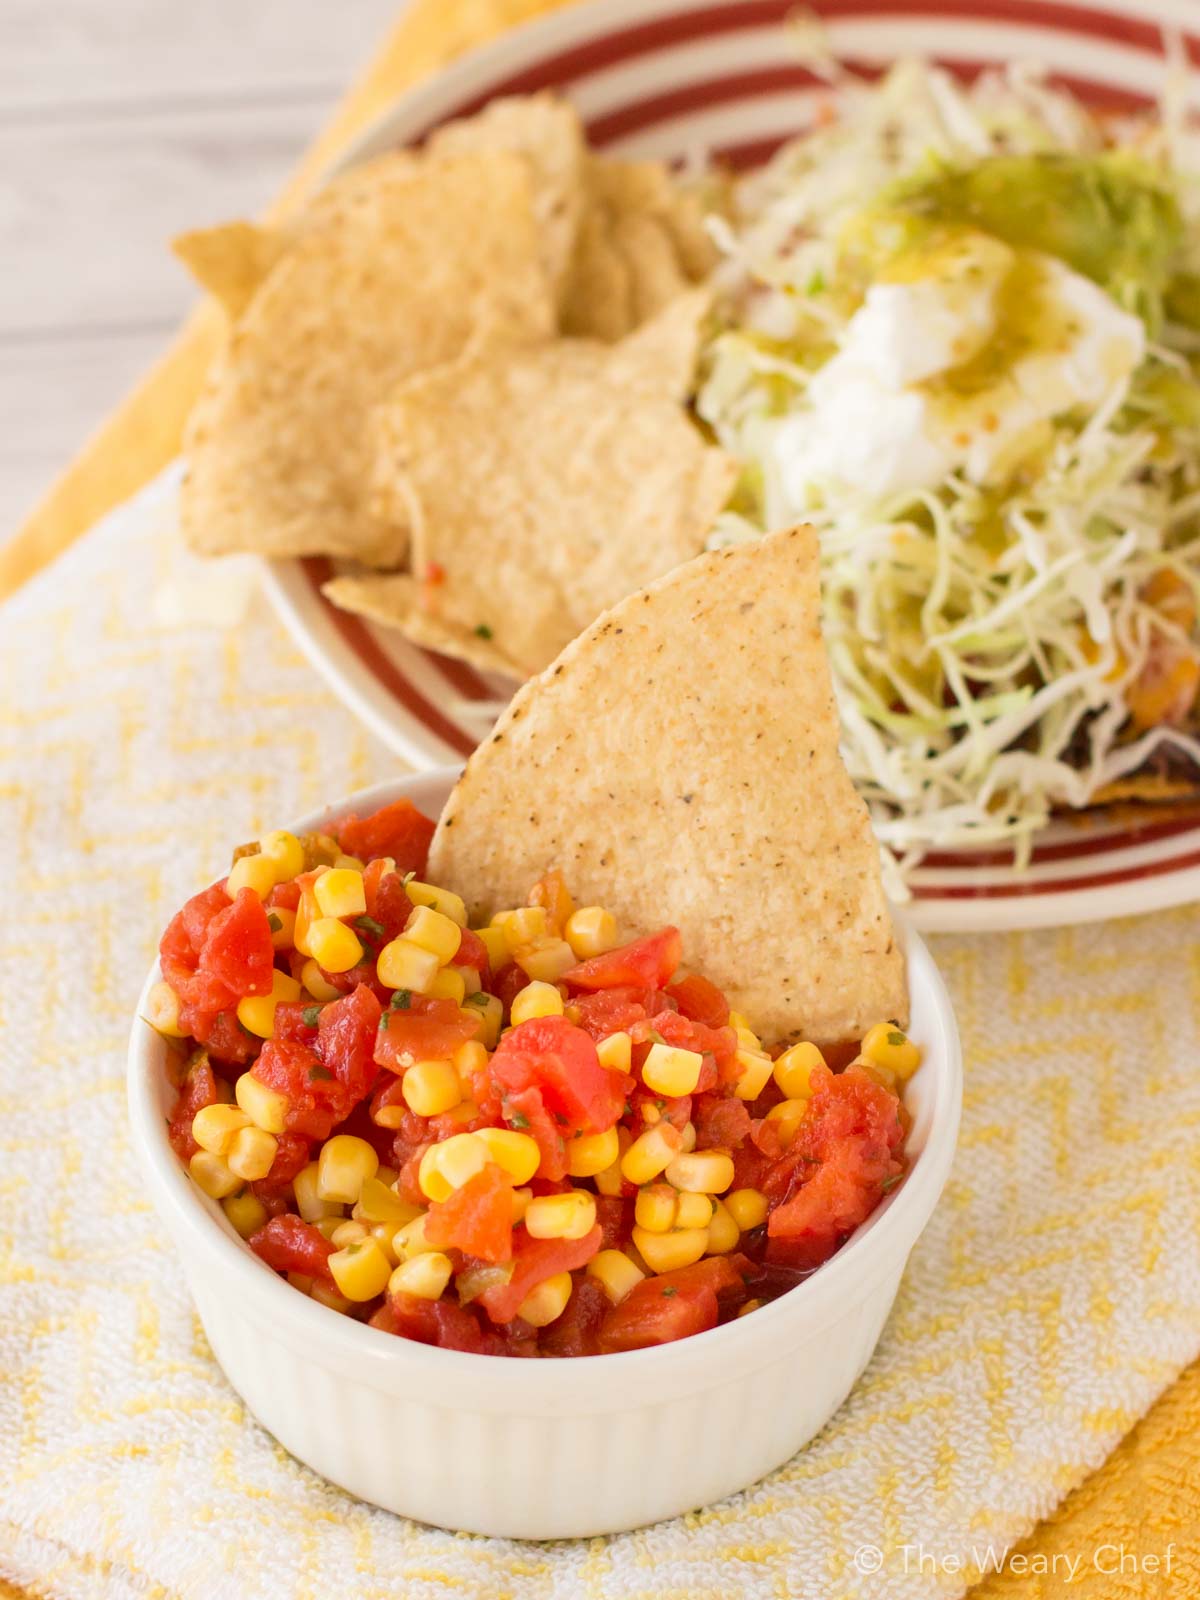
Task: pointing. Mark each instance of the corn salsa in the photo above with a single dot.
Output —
(541, 1137)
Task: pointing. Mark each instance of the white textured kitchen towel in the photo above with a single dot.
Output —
(1055, 1293)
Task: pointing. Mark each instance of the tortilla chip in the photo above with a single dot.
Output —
(1147, 788)
(679, 764)
(409, 263)
(545, 483)
(397, 600)
(641, 242)
(546, 131)
(230, 261)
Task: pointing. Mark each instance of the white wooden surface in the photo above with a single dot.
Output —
(121, 123)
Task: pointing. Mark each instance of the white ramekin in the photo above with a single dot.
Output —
(548, 1449)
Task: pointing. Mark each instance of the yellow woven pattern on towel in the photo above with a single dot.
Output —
(1055, 1294)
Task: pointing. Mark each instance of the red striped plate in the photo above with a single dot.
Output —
(665, 77)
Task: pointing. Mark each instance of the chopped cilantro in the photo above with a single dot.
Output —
(815, 283)
(668, 1290)
(483, 631)
(319, 1075)
(561, 1119)
(311, 1015)
(246, 1030)
(889, 1184)
(401, 1000)
(479, 999)
(369, 925)
(383, 1021)
(656, 1037)
(273, 922)
(519, 1119)
(895, 1037)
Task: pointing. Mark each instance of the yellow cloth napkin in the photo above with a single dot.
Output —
(1145, 1497)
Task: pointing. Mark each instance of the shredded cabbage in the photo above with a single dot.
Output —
(983, 636)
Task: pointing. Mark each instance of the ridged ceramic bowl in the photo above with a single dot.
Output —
(552, 1448)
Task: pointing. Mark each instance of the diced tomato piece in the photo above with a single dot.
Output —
(721, 1122)
(472, 952)
(201, 994)
(507, 983)
(225, 1039)
(346, 1035)
(388, 903)
(397, 830)
(700, 1001)
(615, 1217)
(292, 1020)
(684, 1034)
(551, 892)
(615, 1010)
(284, 896)
(423, 1030)
(199, 1089)
(316, 1100)
(646, 1108)
(535, 1260)
(655, 1312)
(577, 1331)
(649, 963)
(291, 1155)
(458, 1328)
(559, 1060)
(525, 1110)
(287, 1244)
(237, 946)
(477, 1217)
(200, 910)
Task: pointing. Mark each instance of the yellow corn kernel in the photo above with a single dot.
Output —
(750, 1305)
(516, 1154)
(448, 1165)
(387, 1175)
(361, 1270)
(561, 1216)
(496, 945)
(409, 1240)
(425, 1276)
(611, 1180)
(325, 1296)
(747, 1207)
(664, 1252)
(650, 1153)
(470, 978)
(328, 1226)
(402, 965)
(309, 1203)
(693, 1210)
(214, 1127)
(317, 984)
(340, 892)
(469, 1059)
(378, 1202)
(526, 927)
(670, 1071)
(546, 960)
(490, 1011)
(520, 1204)
(655, 1207)
(307, 913)
(333, 945)
(245, 1211)
(723, 1231)
(162, 1011)
(754, 1073)
(616, 1052)
(256, 1012)
(789, 1114)
(443, 901)
(547, 1302)
(448, 984)
(384, 1232)
(431, 1087)
(343, 1166)
(701, 1171)
(793, 1070)
(266, 1107)
(301, 1281)
(887, 1046)
(345, 863)
(252, 872)
(615, 1273)
(348, 1231)
(282, 924)
(688, 1138)
(465, 1111)
(286, 853)
(211, 1174)
(252, 1153)
(434, 931)
(536, 999)
(592, 1154)
(591, 931)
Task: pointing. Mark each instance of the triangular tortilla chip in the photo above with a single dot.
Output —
(641, 241)
(231, 261)
(422, 258)
(544, 483)
(398, 601)
(679, 764)
(547, 132)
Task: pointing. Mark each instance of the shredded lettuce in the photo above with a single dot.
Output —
(983, 637)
